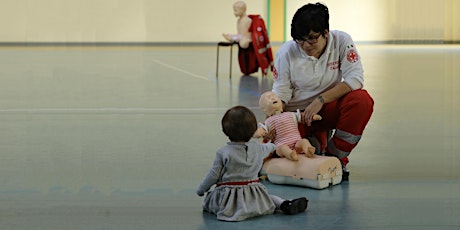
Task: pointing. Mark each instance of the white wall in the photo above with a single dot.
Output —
(392, 20)
(205, 20)
(364, 20)
(452, 20)
(415, 19)
(119, 20)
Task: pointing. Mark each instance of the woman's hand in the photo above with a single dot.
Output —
(311, 110)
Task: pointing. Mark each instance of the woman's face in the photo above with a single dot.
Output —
(314, 44)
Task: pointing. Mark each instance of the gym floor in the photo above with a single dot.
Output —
(120, 137)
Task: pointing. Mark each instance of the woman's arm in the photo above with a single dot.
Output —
(333, 94)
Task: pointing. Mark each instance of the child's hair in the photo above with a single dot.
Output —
(239, 124)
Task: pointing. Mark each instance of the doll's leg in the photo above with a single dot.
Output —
(285, 151)
(304, 146)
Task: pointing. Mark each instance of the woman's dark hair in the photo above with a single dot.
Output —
(239, 124)
(310, 17)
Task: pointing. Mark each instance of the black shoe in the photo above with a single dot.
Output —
(294, 206)
(345, 173)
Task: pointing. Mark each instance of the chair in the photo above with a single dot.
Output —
(231, 55)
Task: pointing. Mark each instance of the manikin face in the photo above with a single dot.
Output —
(270, 103)
(238, 9)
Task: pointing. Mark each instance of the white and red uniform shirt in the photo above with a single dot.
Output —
(299, 78)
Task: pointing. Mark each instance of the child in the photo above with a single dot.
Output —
(238, 194)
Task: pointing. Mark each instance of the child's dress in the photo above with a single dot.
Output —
(238, 194)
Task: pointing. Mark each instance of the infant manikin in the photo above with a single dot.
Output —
(287, 138)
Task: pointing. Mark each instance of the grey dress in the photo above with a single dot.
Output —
(237, 162)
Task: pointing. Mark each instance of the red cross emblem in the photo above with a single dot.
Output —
(352, 56)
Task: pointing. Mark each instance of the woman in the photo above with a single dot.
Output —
(320, 72)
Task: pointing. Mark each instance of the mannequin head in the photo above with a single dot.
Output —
(270, 103)
(239, 8)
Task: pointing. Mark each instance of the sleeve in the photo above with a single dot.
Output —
(212, 176)
(282, 76)
(297, 116)
(267, 148)
(268, 126)
(351, 66)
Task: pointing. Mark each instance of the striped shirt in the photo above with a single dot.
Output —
(286, 126)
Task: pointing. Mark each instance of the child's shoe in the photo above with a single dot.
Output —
(294, 206)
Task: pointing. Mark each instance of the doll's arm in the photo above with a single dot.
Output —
(298, 117)
(317, 117)
(265, 132)
(232, 37)
(261, 131)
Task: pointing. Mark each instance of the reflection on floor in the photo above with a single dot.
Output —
(119, 138)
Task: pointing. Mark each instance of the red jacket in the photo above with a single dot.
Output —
(259, 53)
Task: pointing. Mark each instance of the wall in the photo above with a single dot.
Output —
(417, 20)
(119, 20)
(364, 20)
(452, 20)
(392, 20)
(204, 21)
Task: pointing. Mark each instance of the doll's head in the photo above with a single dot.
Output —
(270, 103)
(239, 8)
(239, 124)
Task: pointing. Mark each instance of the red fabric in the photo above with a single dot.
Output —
(237, 182)
(259, 53)
(247, 60)
(320, 135)
(351, 113)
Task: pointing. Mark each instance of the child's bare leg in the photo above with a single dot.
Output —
(285, 151)
(304, 146)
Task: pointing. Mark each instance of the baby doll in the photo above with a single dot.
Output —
(287, 139)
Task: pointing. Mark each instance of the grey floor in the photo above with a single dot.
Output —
(120, 137)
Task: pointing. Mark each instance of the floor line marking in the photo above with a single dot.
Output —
(180, 70)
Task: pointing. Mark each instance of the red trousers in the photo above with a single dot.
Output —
(348, 116)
